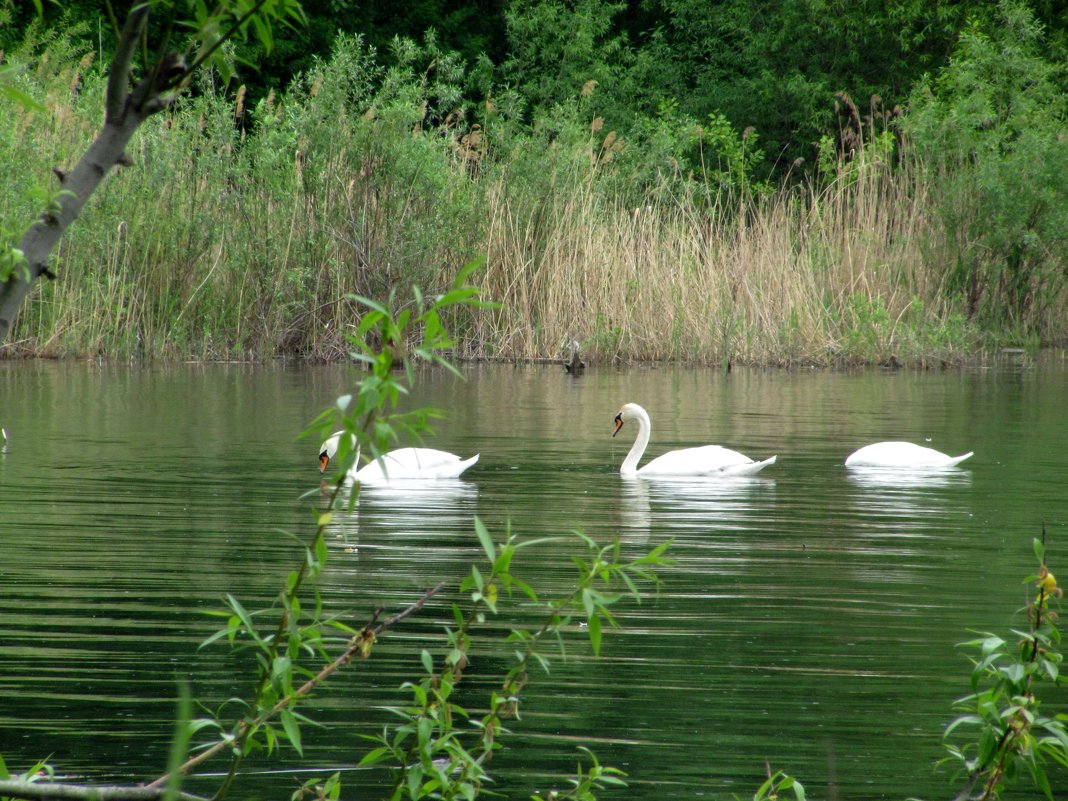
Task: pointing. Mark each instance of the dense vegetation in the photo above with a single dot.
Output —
(805, 182)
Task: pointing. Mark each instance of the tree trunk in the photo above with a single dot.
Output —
(125, 111)
(39, 242)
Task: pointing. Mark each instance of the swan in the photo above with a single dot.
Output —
(903, 455)
(403, 463)
(706, 460)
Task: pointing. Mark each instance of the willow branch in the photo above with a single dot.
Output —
(358, 645)
(244, 19)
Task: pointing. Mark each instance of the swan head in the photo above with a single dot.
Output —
(629, 411)
(328, 449)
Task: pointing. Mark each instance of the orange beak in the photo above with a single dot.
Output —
(619, 424)
(324, 460)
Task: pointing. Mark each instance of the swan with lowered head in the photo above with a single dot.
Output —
(903, 455)
(403, 463)
(703, 461)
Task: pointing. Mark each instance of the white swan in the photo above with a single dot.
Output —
(706, 460)
(403, 463)
(903, 455)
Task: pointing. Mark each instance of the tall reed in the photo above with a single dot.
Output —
(242, 233)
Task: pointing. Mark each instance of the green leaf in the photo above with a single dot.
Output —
(243, 616)
(179, 749)
(415, 778)
(476, 576)
(292, 729)
(595, 634)
(374, 756)
(1040, 778)
(428, 662)
(370, 304)
(20, 97)
(291, 581)
(588, 602)
(972, 720)
(991, 644)
(214, 637)
(281, 670)
(486, 540)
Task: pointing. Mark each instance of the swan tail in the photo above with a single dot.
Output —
(748, 469)
(958, 459)
(463, 464)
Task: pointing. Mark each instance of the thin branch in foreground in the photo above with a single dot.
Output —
(46, 791)
(359, 645)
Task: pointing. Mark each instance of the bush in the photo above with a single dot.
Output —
(991, 128)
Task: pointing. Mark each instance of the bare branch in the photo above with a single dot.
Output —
(47, 791)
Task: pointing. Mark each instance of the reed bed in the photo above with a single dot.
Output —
(244, 233)
(802, 276)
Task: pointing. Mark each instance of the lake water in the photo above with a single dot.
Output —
(810, 620)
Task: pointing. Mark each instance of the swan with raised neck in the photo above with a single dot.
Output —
(707, 460)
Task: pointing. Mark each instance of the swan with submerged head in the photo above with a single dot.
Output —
(903, 455)
(709, 460)
(403, 463)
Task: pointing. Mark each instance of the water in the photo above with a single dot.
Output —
(809, 621)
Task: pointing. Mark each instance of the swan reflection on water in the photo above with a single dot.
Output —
(420, 496)
(891, 477)
(690, 501)
(407, 506)
(918, 500)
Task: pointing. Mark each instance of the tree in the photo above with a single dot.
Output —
(174, 39)
(991, 127)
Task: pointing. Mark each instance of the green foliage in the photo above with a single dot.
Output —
(778, 70)
(776, 784)
(587, 782)
(391, 336)
(992, 128)
(867, 328)
(13, 93)
(735, 158)
(42, 771)
(1011, 732)
(558, 51)
(870, 334)
(438, 757)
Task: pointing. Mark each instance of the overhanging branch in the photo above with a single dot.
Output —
(360, 646)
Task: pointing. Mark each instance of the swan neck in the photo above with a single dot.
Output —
(630, 464)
